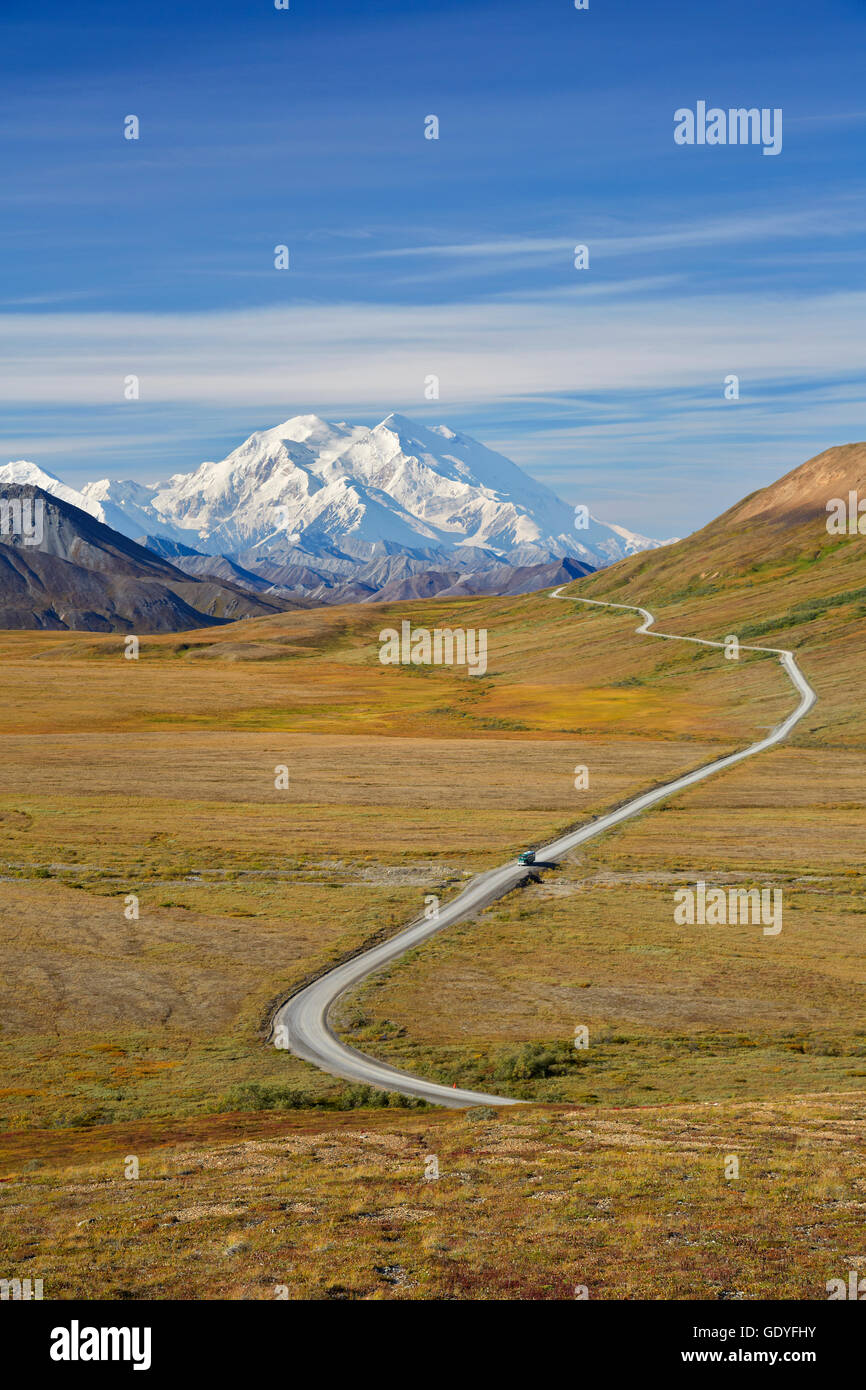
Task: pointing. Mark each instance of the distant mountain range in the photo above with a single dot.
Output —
(311, 512)
(82, 575)
(74, 571)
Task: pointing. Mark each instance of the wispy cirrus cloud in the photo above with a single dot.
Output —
(842, 218)
(354, 355)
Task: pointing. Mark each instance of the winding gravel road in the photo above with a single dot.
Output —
(302, 1024)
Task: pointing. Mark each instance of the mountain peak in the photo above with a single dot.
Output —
(805, 491)
(350, 489)
(25, 472)
(398, 424)
(298, 425)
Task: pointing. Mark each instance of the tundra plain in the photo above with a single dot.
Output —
(145, 1036)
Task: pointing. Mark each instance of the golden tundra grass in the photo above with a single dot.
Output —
(156, 778)
(674, 1011)
(529, 1204)
(244, 891)
(554, 670)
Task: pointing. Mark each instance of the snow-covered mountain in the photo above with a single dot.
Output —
(310, 488)
(25, 472)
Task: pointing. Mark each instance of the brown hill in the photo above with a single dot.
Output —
(780, 532)
(82, 575)
(802, 495)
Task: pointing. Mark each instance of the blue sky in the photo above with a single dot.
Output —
(454, 258)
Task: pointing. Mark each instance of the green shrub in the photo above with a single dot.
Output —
(255, 1095)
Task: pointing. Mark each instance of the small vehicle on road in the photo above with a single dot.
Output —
(527, 857)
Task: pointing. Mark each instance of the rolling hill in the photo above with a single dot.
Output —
(79, 574)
